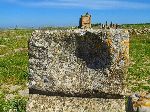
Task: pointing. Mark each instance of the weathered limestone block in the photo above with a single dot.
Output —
(41, 103)
(78, 62)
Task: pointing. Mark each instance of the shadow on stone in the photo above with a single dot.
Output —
(93, 50)
(86, 95)
(129, 105)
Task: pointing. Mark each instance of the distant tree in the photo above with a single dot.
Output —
(16, 27)
(111, 24)
(106, 23)
(96, 24)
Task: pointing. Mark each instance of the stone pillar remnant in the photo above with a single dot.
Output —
(88, 65)
(85, 21)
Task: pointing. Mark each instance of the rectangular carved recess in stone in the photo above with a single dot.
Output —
(78, 62)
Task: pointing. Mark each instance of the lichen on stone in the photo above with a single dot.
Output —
(78, 62)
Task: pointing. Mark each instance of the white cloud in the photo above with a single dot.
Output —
(90, 4)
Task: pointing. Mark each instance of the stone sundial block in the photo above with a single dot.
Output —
(78, 62)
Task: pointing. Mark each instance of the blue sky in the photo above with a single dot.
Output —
(36, 13)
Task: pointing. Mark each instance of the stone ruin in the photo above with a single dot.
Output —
(85, 21)
(78, 70)
(108, 26)
(139, 31)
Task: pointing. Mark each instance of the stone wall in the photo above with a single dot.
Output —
(139, 31)
(78, 63)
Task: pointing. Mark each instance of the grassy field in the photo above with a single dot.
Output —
(14, 66)
(139, 69)
(13, 69)
(13, 56)
(136, 26)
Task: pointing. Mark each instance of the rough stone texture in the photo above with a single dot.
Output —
(139, 31)
(72, 104)
(78, 62)
(85, 21)
(139, 103)
(24, 92)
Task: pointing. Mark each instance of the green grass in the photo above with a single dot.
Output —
(136, 26)
(14, 38)
(14, 66)
(17, 104)
(139, 70)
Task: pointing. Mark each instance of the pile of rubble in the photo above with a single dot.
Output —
(139, 103)
(139, 31)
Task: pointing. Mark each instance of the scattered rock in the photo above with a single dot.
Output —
(12, 110)
(24, 93)
(3, 46)
(13, 88)
(20, 49)
(139, 31)
(9, 96)
(14, 51)
(139, 102)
